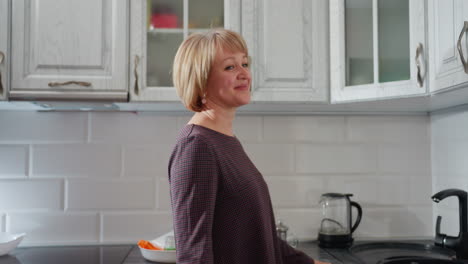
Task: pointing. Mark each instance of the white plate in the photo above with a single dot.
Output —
(163, 256)
(8, 242)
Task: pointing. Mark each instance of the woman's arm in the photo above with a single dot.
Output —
(291, 255)
(193, 180)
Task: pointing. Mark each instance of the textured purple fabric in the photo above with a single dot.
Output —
(221, 205)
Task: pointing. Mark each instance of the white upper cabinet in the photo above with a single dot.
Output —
(4, 69)
(73, 49)
(448, 26)
(377, 49)
(157, 28)
(288, 43)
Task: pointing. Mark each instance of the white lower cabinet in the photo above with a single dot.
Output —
(4, 51)
(288, 43)
(73, 49)
(448, 28)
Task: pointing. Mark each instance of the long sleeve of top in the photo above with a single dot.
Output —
(221, 205)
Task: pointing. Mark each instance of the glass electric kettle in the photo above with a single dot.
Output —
(336, 226)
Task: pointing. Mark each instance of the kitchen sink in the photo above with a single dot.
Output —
(402, 253)
(416, 260)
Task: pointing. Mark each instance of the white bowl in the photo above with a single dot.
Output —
(8, 242)
(163, 256)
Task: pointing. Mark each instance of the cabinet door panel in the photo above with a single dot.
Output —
(153, 47)
(389, 67)
(57, 41)
(4, 63)
(288, 43)
(446, 23)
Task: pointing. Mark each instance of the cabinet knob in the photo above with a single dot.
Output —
(135, 72)
(419, 52)
(2, 57)
(459, 47)
(55, 84)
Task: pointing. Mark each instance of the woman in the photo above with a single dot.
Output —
(221, 205)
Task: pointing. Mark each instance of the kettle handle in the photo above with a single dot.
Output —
(358, 219)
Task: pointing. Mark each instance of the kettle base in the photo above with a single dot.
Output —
(335, 241)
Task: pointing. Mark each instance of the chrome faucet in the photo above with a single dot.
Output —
(460, 242)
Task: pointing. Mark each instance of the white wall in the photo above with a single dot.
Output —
(449, 141)
(84, 178)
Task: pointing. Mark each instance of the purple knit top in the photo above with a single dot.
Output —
(221, 206)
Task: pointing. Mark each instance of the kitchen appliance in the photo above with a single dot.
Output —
(460, 242)
(336, 226)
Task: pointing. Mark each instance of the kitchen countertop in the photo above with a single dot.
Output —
(310, 248)
(130, 254)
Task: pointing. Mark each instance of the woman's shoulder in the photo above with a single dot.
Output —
(193, 134)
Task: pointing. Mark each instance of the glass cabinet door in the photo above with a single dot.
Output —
(377, 49)
(156, 38)
(392, 41)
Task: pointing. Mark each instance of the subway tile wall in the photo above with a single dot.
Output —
(87, 178)
(449, 143)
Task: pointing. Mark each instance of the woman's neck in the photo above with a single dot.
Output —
(217, 119)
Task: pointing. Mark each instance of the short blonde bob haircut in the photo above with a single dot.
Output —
(194, 59)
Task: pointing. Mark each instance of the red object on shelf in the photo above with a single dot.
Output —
(164, 20)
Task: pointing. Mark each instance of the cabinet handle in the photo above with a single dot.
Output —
(419, 51)
(55, 84)
(135, 72)
(459, 46)
(2, 56)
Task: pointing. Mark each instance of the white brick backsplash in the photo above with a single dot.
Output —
(108, 194)
(395, 222)
(450, 224)
(147, 161)
(304, 128)
(85, 178)
(412, 158)
(164, 195)
(420, 190)
(452, 125)
(248, 128)
(13, 160)
(31, 195)
(25, 126)
(345, 158)
(272, 159)
(55, 228)
(388, 128)
(371, 190)
(76, 160)
(133, 128)
(304, 223)
(146, 226)
(294, 192)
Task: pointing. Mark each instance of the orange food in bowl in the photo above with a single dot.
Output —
(148, 245)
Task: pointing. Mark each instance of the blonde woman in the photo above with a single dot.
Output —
(220, 202)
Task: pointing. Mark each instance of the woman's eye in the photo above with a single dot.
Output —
(229, 68)
(245, 65)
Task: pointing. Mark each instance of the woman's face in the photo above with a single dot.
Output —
(229, 81)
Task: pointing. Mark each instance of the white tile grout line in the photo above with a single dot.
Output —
(101, 227)
(122, 159)
(88, 136)
(29, 161)
(65, 195)
(4, 223)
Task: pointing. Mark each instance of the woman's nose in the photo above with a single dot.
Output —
(244, 73)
